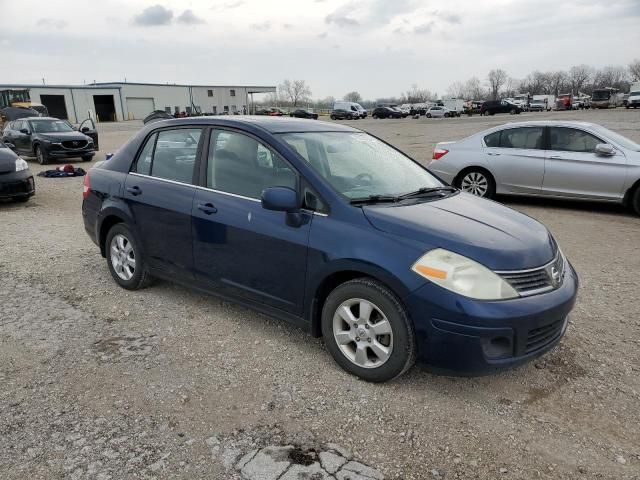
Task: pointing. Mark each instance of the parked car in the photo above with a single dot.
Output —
(48, 139)
(548, 100)
(276, 112)
(439, 112)
(300, 113)
(341, 114)
(337, 232)
(491, 107)
(572, 160)
(633, 100)
(454, 105)
(385, 112)
(353, 107)
(16, 180)
(537, 105)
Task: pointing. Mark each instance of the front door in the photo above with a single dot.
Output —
(573, 169)
(517, 157)
(21, 140)
(240, 248)
(159, 191)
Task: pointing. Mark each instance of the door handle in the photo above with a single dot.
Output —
(493, 154)
(207, 208)
(555, 156)
(135, 190)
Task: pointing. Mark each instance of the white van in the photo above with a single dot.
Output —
(350, 106)
(454, 105)
(634, 96)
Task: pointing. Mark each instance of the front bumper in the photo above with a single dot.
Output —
(470, 337)
(53, 151)
(17, 184)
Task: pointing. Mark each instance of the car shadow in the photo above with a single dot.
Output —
(579, 206)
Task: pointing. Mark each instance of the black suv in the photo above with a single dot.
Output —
(386, 112)
(299, 113)
(341, 114)
(49, 139)
(492, 107)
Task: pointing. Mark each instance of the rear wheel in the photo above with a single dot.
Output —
(125, 263)
(477, 182)
(513, 111)
(428, 115)
(333, 117)
(367, 330)
(40, 155)
(635, 200)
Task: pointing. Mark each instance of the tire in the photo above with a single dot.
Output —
(21, 199)
(428, 115)
(40, 155)
(375, 117)
(131, 280)
(87, 158)
(635, 200)
(477, 181)
(446, 115)
(513, 111)
(397, 346)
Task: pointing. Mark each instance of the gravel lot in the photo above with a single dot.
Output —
(98, 382)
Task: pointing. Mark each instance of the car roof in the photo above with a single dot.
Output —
(269, 124)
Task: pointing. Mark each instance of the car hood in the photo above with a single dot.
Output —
(496, 236)
(7, 160)
(63, 136)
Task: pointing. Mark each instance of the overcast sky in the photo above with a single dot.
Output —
(377, 47)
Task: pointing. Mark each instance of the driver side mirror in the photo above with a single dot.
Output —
(280, 199)
(10, 146)
(85, 129)
(25, 131)
(605, 150)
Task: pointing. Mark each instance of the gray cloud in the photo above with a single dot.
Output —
(341, 20)
(424, 28)
(228, 5)
(154, 16)
(262, 27)
(52, 23)
(451, 18)
(322, 35)
(189, 18)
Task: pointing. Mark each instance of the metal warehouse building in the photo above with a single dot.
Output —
(117, 101)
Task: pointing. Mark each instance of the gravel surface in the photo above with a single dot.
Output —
(98, 382)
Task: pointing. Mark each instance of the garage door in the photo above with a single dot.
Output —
(139, 107)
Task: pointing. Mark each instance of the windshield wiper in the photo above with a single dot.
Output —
(426, 191)
(373, 199)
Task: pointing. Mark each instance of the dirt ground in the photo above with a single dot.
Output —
(98, 382)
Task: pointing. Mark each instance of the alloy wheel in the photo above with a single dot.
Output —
(123, 258)
(475, 183)
(363, 333)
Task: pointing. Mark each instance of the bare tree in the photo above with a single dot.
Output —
(496, 79)
(579, 76)
(613, 76)
(634, 70)
(556, 81)
(416, 95)
(457, 90)
(511, 86)
(534, 83)
(353, 97)
(474, 89)
(295, 90)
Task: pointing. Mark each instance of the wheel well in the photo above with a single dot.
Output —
(464, 171)
(627, 196)
(323, 291)
(107, 223)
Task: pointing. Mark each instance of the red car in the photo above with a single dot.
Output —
(276, 112)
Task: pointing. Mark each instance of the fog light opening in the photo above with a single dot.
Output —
(497, 347)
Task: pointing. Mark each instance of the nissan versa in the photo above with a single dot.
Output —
(335, 231)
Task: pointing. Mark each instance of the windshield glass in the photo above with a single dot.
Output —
(634, 94)
(358, 165)
(48, 126)
(618, 139)
(601, 95)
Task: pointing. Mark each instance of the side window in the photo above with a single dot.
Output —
(240, 165)
(174, 157)
(143, 164)
(313, 201)
(524, 138)
(572, 140)
(492, 140)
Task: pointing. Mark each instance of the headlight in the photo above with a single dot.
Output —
(462, 275)
(21, 165)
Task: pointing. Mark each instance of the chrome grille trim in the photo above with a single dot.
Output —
(538, 280)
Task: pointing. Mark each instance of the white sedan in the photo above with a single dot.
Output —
(555, 159)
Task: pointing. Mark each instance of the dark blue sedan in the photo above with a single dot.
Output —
(335, 231)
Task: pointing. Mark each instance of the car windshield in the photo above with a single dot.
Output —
(49, 126)
(618, 139)
(634, 94)
(358, 165)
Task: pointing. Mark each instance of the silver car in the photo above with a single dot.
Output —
(574, 160)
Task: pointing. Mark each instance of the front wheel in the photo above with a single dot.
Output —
(40, 155)
(333, 117)
(635, 200)
(446, 115)
(368, 331)
(513, 111)
(477, 182)
(428, 115)
(125, 263)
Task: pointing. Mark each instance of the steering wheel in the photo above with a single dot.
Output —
(363, 177)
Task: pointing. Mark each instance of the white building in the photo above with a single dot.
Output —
(117, 101)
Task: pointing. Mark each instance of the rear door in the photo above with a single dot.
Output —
(240, 248)
(573, 169)
(517, 159)
(160, 190)
(21, 140)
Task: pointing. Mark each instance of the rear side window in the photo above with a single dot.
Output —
(572, 140)
(492, 140)
(174, 157)
(523, 138)
(143, 164)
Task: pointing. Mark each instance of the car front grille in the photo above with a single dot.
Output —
(16, 188)
(74, 144)
(539, 337)
(537, 280)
